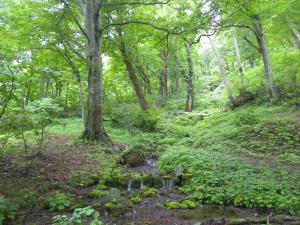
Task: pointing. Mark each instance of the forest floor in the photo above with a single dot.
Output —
(255, 150)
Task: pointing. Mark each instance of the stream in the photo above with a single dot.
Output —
(152, 212)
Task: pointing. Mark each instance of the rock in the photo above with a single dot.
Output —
(136, 200)
(134, 156)
(187, 204)
(148, 192)
(118, 207)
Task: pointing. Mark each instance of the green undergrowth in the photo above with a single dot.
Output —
(253, 130)
(220, 179)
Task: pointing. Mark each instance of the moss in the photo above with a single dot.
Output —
(109, 206)
(134, 156)
(148, 192)
(173, 205)
(119, 207)
(80, 179)
(96, 206)
(96, 194)
(187, 204)
(190, 204)
(136, 200)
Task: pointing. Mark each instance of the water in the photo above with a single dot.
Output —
(150, 161)
(142, 184)
(129, 185)
(163, 183)
(170, 184)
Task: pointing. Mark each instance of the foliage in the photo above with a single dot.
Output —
(78, 217)
(96, 194)
(7, 210)
(219, 179)
(58, 201)
(24, 199)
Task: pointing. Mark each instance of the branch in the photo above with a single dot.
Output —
(253, 45)
(143, 23)
(134, 3)
(76, 20)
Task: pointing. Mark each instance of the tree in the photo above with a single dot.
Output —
(222, 71)
(189, 79)
(238, 57)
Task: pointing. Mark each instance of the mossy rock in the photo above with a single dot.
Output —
(96, 194)
(118, 207)
(190, 204)
(96, 206)
(187, 204)
(134, 156)
(83, 180)
(148, 192)
(136, 200)
(173, 205)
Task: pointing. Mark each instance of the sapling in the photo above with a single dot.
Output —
(33, 118)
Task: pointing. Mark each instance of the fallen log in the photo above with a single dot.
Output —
(284, 219)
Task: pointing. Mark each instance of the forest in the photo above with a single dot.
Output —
(149, 112)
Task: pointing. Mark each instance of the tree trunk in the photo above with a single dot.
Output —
(163, 79)
(177, 90)
(146, 79)
(238, 58)
(296, 35)
(259, 33)
(132, 74)
(94, 127)
(27, 95)
(189, 80)
(294, 31)
(78, 79)
(67, 93)
(222, 71)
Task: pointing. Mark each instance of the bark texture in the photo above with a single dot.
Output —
(94, 128)
(259, 33)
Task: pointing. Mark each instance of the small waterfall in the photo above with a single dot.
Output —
(163, 183)
(142, 184)
(129, 185)
(170, 184)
